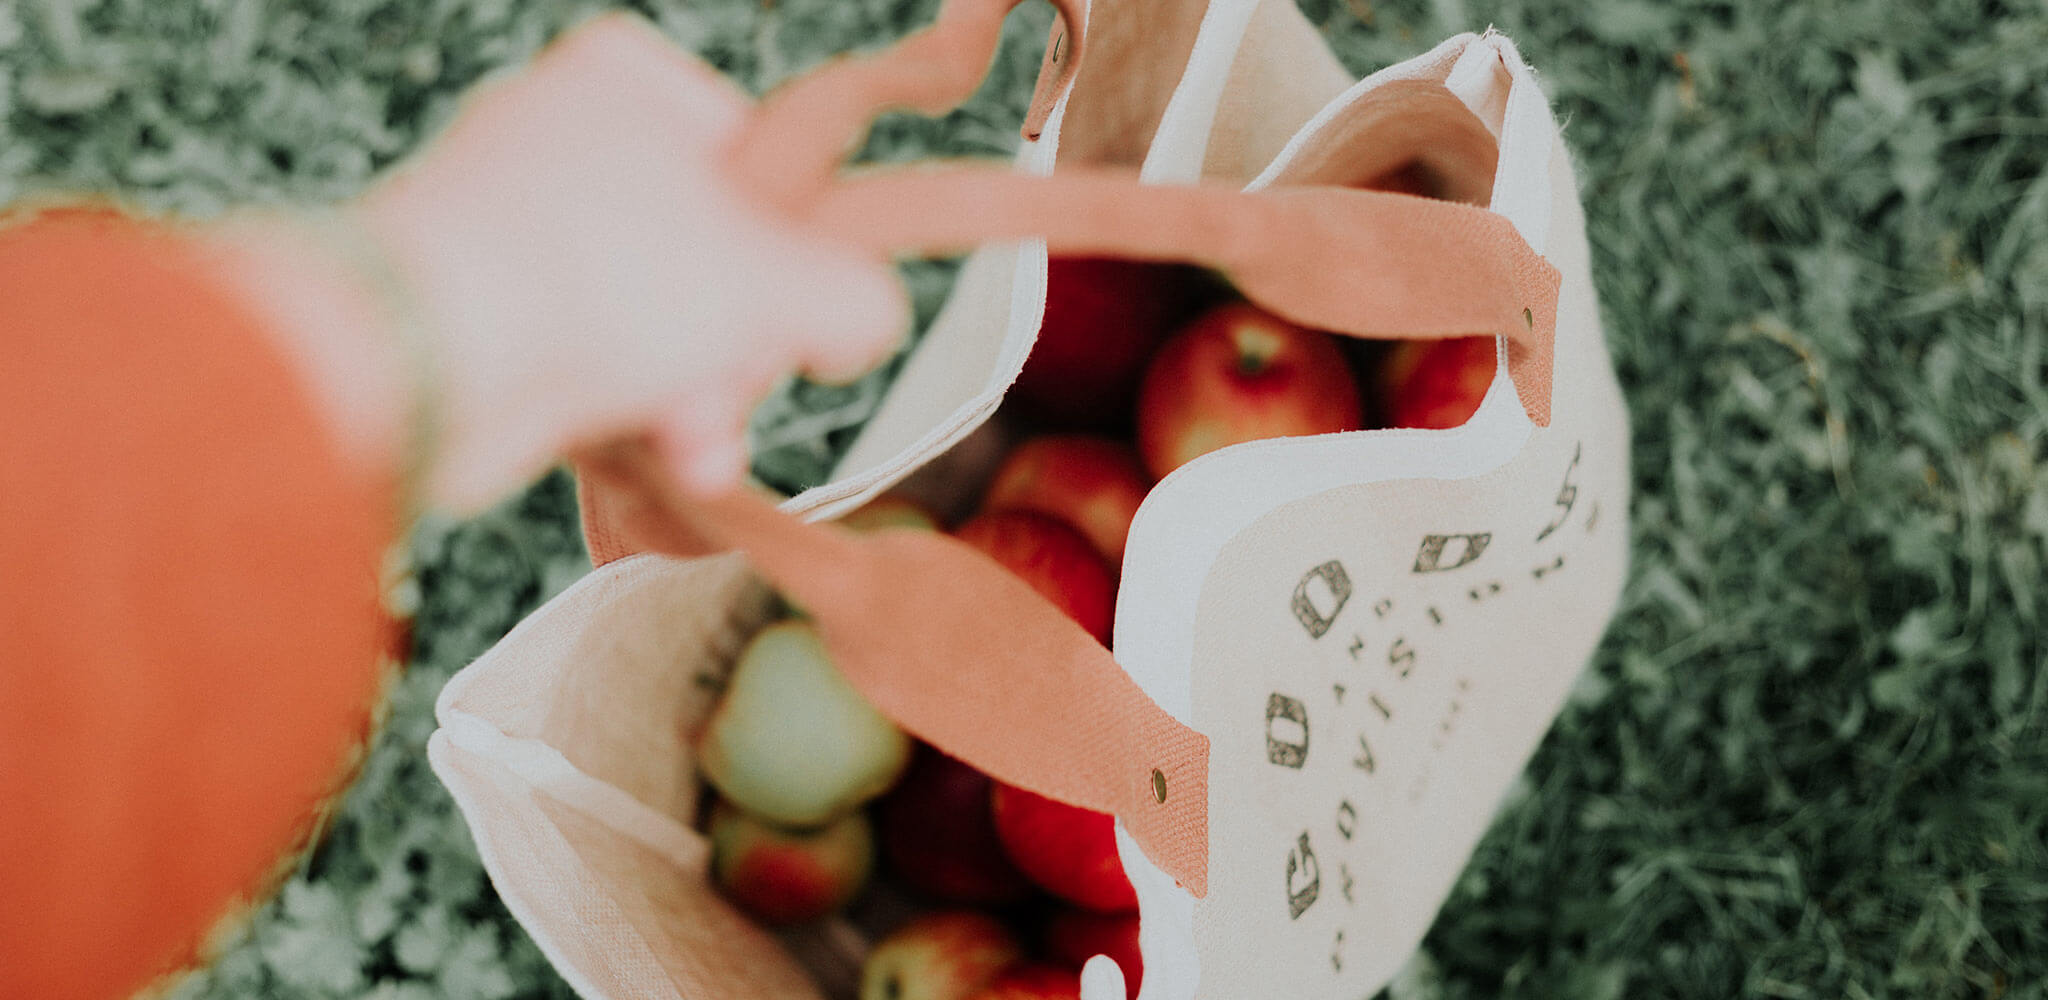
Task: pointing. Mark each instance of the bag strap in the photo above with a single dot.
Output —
(958, 652)
(1365, 263)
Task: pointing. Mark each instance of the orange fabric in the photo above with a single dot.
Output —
(189, 636)
(604, 533)
(957, 651)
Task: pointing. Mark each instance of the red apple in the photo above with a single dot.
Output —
(950, 955)
(939, 835)
(1054, 559)
(890, 512)
(1068, 850)
(1092, 483)
(1103, 317)
(1073, 937)
(783, 876)
(1035, 981)
(1436, 383)
(1240, 374)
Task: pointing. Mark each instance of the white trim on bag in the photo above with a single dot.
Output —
(549, 771)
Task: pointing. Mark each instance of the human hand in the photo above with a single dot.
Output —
(583, 269)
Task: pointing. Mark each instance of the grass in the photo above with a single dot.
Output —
(1811, 760)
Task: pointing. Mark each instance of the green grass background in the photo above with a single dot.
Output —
(1811, 759)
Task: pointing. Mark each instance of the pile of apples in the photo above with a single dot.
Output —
(1138, 370)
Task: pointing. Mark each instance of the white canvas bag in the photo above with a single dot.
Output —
(1372, 630)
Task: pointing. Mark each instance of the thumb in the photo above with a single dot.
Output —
(702, 441)
(851, 319)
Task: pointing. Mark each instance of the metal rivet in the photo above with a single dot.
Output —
(1528, 318)
(1158, 785)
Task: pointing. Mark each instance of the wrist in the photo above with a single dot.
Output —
(330, 325)
(467, 256)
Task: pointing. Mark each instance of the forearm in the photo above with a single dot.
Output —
(568, 263)
(412, 336)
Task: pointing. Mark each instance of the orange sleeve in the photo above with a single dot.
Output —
(189, 632)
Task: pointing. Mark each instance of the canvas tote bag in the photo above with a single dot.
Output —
(1333, 654)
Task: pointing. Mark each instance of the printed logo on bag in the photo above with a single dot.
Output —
(1391, 700)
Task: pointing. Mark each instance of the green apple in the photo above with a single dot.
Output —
(792, 742)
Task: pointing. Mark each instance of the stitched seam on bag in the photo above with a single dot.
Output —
(548, 771)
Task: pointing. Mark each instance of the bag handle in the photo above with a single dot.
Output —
(957, 651)
(1365, 263)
